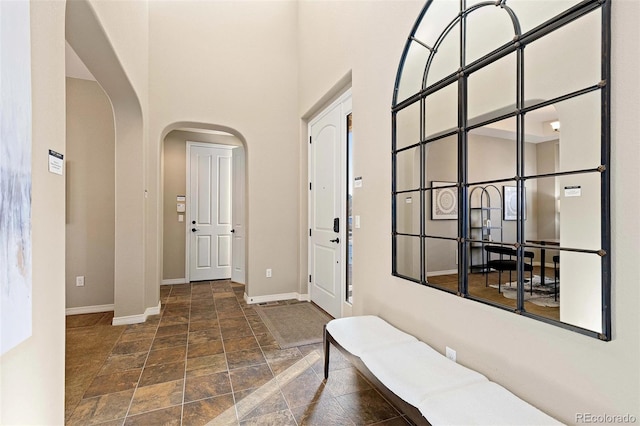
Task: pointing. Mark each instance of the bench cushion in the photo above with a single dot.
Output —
(361, 334)
(484, 403)
(414, 370)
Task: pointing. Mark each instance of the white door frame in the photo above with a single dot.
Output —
(238, 209)
(343, 193)
(187, 223)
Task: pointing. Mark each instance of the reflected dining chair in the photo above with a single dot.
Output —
(506, 261)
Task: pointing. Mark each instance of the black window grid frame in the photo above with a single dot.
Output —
(459, 77)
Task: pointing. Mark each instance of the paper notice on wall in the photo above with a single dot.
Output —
(56, 162)
(572, 191)
(357, 182)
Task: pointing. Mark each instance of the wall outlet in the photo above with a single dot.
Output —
(451, 354)
(80, 281)
(269, 273)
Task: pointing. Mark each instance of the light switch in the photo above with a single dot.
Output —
(357, 221)
(181, 207)
(180, 218)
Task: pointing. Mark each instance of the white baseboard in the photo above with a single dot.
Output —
(437, 273)
(89, 309)
(135, 319)
(275, 298)
(173, 281)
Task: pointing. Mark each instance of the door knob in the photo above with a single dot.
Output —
(193, 229)
(193, 222)
(233, 231)
(337, 240)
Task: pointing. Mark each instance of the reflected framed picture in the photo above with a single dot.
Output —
(444, 201)
(510, 203)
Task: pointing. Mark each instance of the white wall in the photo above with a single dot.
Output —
(234, 64)
(561, 372)
(32, 389)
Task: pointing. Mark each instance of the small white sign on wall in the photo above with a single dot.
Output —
(357, 182)
(572, 191)
(56, 162)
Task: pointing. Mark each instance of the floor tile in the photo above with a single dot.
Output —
(245, 358)
(240, 343)
(304, 389)
(202, 387)
(204, 336)
(154, 397)
(323, 413)
(367, 406)
(169, 341)
(162, 373)
(202, 412)
(203, 325)
(280, 418)
(205, 365)
(138, 334)
(257, 402)
(213, 347)
(123, 348)
(168, 330)
(101, 409)
(167, 417)
(345, 381)
(117, 363)
(114, 382)
(249, 377)
(167, 355)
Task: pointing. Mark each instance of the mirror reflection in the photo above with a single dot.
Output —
(442, 263)
(564, 61)
(408, 126)
(487, 29)
(532, 182)
(408, 213)
(408, 256)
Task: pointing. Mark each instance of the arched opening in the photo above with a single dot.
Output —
(179, 247)
(85, 34)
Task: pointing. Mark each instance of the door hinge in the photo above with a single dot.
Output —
(309, 231)
(309, 186)
(309, 277)
(309, 139)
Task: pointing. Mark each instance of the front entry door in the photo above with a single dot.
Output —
(326, 206)
(209, 212)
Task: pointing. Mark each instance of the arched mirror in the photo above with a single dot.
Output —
(501, 173)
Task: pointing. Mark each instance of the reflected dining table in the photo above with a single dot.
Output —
(544, 242)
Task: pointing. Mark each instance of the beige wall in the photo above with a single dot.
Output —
(559, 371)
(32, 388)
(235, 64)
(175, 183)
(90, 177)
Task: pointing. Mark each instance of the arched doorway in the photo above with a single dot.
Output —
(178, 242)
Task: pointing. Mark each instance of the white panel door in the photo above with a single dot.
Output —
(210, 173)
(238, 231)
(327, 207)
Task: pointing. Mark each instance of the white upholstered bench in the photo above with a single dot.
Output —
(421, 382)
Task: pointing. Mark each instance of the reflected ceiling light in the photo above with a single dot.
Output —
(555, 125)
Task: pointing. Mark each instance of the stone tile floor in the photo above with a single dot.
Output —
(208, 359)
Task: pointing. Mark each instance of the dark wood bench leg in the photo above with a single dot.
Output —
(326, 352)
